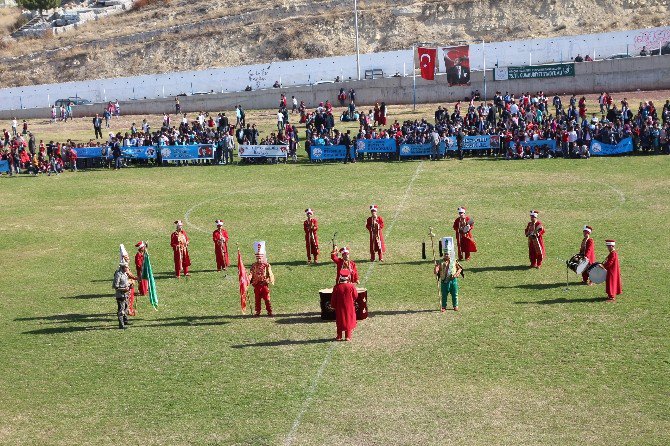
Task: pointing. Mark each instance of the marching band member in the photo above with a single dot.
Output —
(179, 242)
(613, 282)
(466, 242)
(375, 226)
(139, 263)
(220, 238)
(344, 263)
(448, 271)
(588, 250)
(311, 226)
(124, 258)
(261, 277)
(535, 234)
(342, 301)
(122, 286)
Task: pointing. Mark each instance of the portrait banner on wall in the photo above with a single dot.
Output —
(457, 64)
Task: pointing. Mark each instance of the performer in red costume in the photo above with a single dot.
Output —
(344, 263)
(342, 301)
(613, 282)
(311, 226)
(261, 277)
(535, 234)
(375, 226)
(588, 250)
(466, 242)
(220, 238)
(179, 242)
(139, 263)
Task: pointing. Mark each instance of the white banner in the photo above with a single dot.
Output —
(249, 151)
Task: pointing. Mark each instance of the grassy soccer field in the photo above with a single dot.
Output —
(523, 362)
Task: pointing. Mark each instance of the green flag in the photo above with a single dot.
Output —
(148, 274)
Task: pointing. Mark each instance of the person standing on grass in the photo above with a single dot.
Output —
(261, 277)
(97, 126)
(311, 226)
(588, 250)
(15, 124)
(143, 284)
(613, 281)
(179, 241)
(342, 300)
(220, 239)
(375, 227)
(535, 235)
(122, 285)
(463, 226)
(447, 272)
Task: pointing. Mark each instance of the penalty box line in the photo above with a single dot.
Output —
(290, 438)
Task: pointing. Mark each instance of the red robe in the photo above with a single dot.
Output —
(311, 238)
(143, 285)
(374, 248)
(588, 250)
(613, 282)
(345, 264)
(180, 256)
(466, 241)
(342, 301)
(534, 254)
(220, 239)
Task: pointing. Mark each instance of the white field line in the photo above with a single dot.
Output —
(315, 381)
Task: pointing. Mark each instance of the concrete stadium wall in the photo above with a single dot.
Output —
(643, 73)
(310, 71)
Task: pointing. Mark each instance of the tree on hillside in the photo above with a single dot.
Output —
(39, 5)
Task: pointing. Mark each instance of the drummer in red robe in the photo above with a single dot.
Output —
(311, 226)
(344, 263)
(220, 238)
(375, 226)
(179, 242)
(261, 277)
(342, 301)
(613, 282)
(588, 250)
(139, 263)
(466, 242)
(535, 234)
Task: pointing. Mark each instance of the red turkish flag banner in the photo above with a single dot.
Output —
(427, 58)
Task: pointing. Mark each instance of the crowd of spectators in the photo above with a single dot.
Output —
(515, 119)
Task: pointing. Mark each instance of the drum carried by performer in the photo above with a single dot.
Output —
(179, 242)
(375, 226)
(535, 234)
(220, 239)
(311, 226)
(463, 226)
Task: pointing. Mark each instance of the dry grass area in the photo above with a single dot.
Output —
(199, 34)
(8, 18)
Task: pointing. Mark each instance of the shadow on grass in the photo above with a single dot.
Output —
(315, 317)
(67, 318)
(484, 269)
(284, 342)
(563, 300)
(533, 286)
(89, 296)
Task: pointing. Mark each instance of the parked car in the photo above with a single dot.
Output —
(74, 101)
(619, 56)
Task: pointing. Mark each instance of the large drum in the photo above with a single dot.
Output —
(596, 273)
(327, 311)
(578, 263)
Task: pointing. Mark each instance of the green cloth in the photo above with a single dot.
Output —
(449, 287)
(148, 274)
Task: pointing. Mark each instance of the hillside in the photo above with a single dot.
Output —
(196, 34)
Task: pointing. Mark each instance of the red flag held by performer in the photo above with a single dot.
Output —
(427, 58)
(244, 281)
